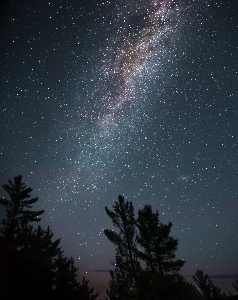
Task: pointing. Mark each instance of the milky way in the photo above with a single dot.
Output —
(139, 98)
(123, 79)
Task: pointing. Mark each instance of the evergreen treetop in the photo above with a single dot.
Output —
(32, 265)
(19, 211)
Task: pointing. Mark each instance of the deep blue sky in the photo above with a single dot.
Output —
(101, 98)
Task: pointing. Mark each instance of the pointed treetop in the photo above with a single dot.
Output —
(18, 208)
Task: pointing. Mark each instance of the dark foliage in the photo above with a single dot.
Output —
(126, 261)
(207, 289)
(166, 287)
(32, 265)
(18, 208)
(147, 241)
(235, 285)
(158, 246)
(157, 251)
(122, 284)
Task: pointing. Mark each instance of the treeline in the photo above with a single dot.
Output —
(145, 264)
(33, 265)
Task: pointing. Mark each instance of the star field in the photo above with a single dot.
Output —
(101, 98)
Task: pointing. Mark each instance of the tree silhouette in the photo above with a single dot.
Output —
(207, 289)
(32, 265)
(17, 241)
(123, 219)
(145, 240)
(66, 284)
(121, 285)
(165, 287)
(159, 246)
(85, 292)
(235, 285)
(19, 211)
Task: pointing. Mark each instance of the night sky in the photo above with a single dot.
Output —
(138, 98)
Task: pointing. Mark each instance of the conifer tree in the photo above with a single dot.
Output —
(124, 240)
(32, 265)
(235, 285)
(207, 289)
(19, 213)
(65, 278)
(159, 246)
(85, 292)
(66, 285)
(121, 285)
(148, 240)
(27, 254)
